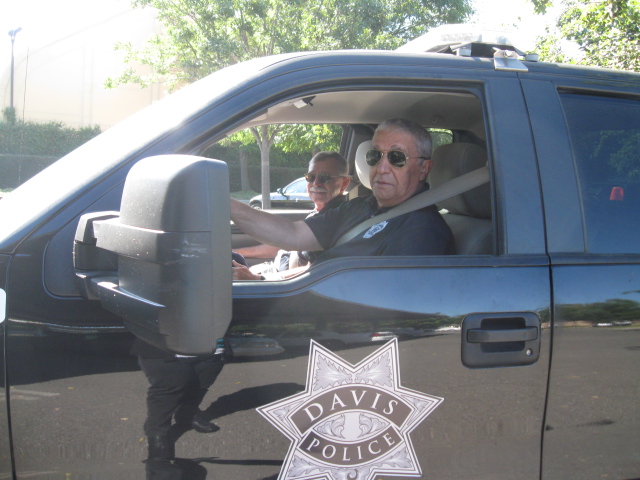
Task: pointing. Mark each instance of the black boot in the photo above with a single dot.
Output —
(161, 448)
(202, 425)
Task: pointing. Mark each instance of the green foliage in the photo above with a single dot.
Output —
(440, 137)
(230, 153)
(310, 138)
(27, 148)
(51, 138)
(541, 6)
(549, 47)
(291, 143)
(285, 166)
(607, 33)
(202, 36)
(9, 115)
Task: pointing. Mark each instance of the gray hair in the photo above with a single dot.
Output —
(343, 166)
(417, 131)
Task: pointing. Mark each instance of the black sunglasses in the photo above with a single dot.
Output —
(396, 158)
(323, 177)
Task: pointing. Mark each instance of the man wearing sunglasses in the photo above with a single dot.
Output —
(327, 179)
(399, 161)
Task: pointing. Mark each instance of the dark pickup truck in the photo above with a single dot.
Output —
(516, 358)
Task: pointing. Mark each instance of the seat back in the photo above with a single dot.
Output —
(468, 214)
(362, 186)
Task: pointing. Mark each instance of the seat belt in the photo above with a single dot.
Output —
(453, 187)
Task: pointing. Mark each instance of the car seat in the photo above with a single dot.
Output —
(467, 214)
(363, 186)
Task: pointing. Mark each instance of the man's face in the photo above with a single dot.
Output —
(322, 193)
(391, 186)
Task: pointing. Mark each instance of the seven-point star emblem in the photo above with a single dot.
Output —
(353, 421)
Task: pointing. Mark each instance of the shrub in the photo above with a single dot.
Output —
(47, 139)
(28, 147)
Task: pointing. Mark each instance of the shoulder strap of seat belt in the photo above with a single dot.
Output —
(453, 187)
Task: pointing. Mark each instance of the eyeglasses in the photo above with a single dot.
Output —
(322, 177)
(396, 158)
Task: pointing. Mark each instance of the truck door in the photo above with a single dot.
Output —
(473, 346)
(587, 144)
(469, 333)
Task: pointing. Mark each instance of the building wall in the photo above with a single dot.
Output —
(62, 79)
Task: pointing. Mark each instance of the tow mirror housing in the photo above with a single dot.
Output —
(163, 263)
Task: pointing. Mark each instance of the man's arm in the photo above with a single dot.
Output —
(258, 251)
(273, 230)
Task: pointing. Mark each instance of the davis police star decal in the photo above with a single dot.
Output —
(351, 422)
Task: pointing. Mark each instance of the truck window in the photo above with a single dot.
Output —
(455, 121)
(333, 111)
(468, 214)
(605, 136)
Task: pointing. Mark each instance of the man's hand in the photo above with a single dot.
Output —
(241, 272)
(273, 230)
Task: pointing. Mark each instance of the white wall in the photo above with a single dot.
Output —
(61, 78)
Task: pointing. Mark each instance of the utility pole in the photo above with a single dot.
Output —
(12, 34)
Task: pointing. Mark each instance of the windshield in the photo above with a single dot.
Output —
(59, 184)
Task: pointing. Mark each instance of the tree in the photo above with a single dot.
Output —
(202, 36)
(607, 32)
(9, 115)
(293, 138)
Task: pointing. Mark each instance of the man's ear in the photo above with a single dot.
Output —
(345, 183)
(425, 168)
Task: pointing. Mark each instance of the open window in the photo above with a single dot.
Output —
(454, 118)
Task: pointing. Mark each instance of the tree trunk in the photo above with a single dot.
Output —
(244, 170)
(265, 147)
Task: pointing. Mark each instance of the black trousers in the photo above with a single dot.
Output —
(177, 386)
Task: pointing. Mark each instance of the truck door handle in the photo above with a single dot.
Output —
(500, 339)
(478, 335)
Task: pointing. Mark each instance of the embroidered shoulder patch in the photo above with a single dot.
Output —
(351, 421)
(375, 229)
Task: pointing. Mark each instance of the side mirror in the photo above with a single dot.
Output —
(281, 192)
(164, 262)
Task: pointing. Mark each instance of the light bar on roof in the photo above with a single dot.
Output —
(456, 35)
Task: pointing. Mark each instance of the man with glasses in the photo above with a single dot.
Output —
(399, 160)
(327, 179)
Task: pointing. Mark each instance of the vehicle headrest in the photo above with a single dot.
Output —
(362, 167)
(451, 161)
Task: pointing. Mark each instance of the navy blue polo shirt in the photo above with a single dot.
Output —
(306, 257)
(421, 232)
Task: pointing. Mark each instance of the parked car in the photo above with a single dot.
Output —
(129, 235)
(293, 196)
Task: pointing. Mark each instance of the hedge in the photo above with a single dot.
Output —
(17, 169)
(28, 147)
(43, 139)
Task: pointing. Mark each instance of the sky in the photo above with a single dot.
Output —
(517, 14)
(43, 21)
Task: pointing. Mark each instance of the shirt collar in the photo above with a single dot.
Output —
(334, 202)
(373, 203)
